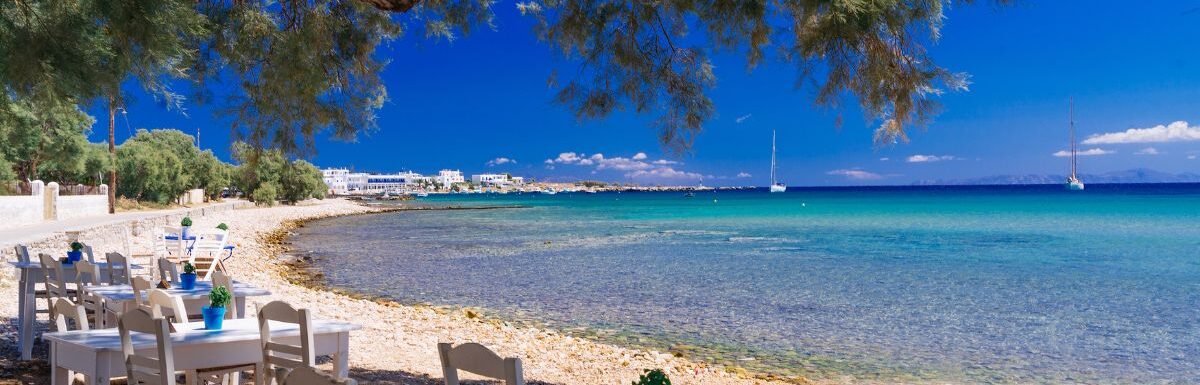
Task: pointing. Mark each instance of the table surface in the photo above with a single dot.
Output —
(189, 333)
(125, 292)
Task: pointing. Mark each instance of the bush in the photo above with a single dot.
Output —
(653, 377)
(264, 195)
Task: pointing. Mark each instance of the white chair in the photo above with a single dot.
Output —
(156, 370)
(87, 250)
(117, 268)
(206, 254)
(307, 375)
(219, 279)
(279, 358)
(168, 271)
(476, 358)
(22, 252)
(65, 313)
(141, 291)
(52, 273)
(87, 274)
(165, 305)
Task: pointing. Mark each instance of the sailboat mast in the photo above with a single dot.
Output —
(772, 157)
(1071, 119)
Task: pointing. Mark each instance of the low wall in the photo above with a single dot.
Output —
(19, 210)
(79, 206)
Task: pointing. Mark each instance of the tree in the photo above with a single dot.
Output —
(44, 139)
(161, 165)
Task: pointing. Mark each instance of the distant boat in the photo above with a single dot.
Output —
(1073, 182)
(689, 195)
(549, 191)
(776, 186)
(423, 194)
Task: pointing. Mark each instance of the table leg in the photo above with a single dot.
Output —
(241, 307)
(28, 314)
(58, 374)
(341, 360)
(102, 373)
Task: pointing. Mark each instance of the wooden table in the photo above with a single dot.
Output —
(97, 353)
(119, 298)
(31, 274)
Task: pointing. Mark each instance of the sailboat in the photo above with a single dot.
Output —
(776, 186)
(1073, 182)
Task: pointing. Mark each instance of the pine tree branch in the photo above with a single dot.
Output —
(392, 5)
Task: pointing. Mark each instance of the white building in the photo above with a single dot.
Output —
(496, 179)
(447, 178)
(337, 179)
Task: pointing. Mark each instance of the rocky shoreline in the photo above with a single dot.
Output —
(398, 342)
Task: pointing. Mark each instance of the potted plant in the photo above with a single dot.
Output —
(653, 377)
(223, 227)
(185, 228)
(76, 252)
(214, 313)
(187, 280)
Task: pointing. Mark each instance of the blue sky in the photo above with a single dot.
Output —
(482, 97)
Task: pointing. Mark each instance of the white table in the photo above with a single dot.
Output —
(119, 298)
(97, 353)
(31, 274)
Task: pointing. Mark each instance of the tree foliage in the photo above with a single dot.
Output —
(161, 165)
(267, 175)
(46, 140)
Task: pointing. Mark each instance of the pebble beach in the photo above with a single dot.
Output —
(397, 344)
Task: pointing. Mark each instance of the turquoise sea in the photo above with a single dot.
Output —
(995, 284)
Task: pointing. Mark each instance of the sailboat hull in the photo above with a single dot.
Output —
(1075, 186)
(778, 188)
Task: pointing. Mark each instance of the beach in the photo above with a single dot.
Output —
(398, 343)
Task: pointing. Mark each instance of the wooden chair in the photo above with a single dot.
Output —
(219, 279)
(168, 270)
(22, 252)
(279, 358)
(65, 313)
(475, 358)
(87, 251)
(160, 300)
(141, 289)
(87, 274)
(307, 375)
(206, 254)
(156, 370)
(52, 272)
(117, 269)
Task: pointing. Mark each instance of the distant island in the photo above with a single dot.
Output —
(1137, 175)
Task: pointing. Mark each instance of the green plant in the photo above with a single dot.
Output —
(223, 227)
(76, 246)
(187, 221)
(188, 268)
(653, 377)
(219, 297)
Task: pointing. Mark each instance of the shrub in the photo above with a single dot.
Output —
(265, 194)
(188, 268)
(219, 297)
(653, 377)
(223, 227)
(76, 246)
(187, 221)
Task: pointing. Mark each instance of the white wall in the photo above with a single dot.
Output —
(27, 209)
(20, 210)
(79, 206)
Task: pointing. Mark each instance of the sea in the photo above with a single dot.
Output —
(929, 284)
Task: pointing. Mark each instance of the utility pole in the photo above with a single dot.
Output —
(112, 155)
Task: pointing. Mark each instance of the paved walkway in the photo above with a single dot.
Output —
(23, 234)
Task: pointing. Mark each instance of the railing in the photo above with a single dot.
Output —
(16, 188)
(80, 189)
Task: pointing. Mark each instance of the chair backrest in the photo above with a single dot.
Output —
(174, 247)
(209, 243)
(160, 300)
(156, 370)
(307, 375)
(87, 250)
(276, 354)
(22, 252)
(219, 279)
(141, 289)
(168, 270)
(86, 274)
(117, 268)
(52, 272)
(63, 311)
(476, 358)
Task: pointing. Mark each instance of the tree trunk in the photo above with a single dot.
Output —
(112, 156)
(392, 5)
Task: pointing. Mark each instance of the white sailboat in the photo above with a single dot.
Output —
(776, 186)
(1073, 182)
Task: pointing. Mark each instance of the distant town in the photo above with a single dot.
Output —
(342, 181)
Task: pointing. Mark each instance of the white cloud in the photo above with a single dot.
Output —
(664, 162)
(1174, 132)
(565, 158)
(884, 159)
(662, 173)
(743, 174)
(500, 161)
(742, 118)
(639, 156)
(929, 158)
(855, 174)
(1191, 157)
(1092, 152)
(1147, 151)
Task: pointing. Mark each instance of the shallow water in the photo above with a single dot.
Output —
(973, 284)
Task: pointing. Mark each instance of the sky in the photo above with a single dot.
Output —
(480, 104)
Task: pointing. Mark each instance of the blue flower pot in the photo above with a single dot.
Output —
(74, 256)
(213, 317)
(185, 232)
(187, 281)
